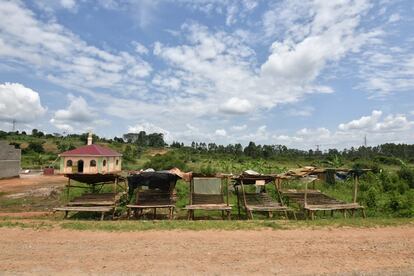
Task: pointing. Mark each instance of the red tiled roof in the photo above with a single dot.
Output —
(91, 150)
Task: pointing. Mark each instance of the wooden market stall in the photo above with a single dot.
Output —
(312, 200)
(207, 193)
(260, 200)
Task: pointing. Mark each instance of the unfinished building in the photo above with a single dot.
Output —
(9, 160)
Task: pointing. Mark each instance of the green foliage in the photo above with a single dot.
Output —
(64, 146)
(407, 175)
(167, 161)
(35, 147)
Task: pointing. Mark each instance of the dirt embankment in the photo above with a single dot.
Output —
(347, 251)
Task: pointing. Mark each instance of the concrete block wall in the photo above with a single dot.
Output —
(9, 160)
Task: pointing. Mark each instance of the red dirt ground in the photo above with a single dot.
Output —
(29, 182)
(344, 251)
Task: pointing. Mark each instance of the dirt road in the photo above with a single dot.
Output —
(350, 251)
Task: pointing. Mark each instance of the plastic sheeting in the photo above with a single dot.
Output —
(207, 186)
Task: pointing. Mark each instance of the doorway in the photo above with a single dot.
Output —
(80, 166)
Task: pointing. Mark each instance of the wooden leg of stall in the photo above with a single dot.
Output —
(67, 190)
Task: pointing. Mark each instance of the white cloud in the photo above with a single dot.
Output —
(151, 128)
(19, 103)
(365, 122)
(60, 56)
(304, 111)
(140, 48)
(79, 116)
(239, 127)
(233, 10)
(236, 106)
(68, 4)
(218, 71)
(221, 132)
(394, 18)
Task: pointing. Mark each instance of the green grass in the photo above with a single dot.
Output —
(201, 225)
(39, 224)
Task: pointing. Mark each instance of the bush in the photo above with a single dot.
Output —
(167, 161)
(407, 175)
(35, 147)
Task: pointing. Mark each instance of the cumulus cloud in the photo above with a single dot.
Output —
(365, 122)
(78, 116)
(62, 57)
(236, 106)
(375, 123)
(19, 103)
(221, 132)
(239, 127)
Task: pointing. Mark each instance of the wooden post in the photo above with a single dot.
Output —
(115, 183)
(356, 182)
(228, 192)
(238, 201)
(250, 215)
(278, 192)
(67, 189)
(306, 195)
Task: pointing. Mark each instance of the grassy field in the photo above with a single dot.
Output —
(198, 225)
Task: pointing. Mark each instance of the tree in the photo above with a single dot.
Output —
(35, 147)
(37, 133)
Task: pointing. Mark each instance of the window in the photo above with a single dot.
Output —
(92, 163)
(104, 163)
(117, 161)
(69, 163)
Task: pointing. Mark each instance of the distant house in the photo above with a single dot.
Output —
(9, 160)
(90, 159)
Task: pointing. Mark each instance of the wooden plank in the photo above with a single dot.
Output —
(85, 209)
(266, 208)
(97, 203)
(150, 206)
(208, 207)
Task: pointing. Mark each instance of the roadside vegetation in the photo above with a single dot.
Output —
(387, 191)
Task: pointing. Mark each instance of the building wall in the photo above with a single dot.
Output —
(9, 160)
(103, 164)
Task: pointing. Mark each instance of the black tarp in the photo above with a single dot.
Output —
(163, 181)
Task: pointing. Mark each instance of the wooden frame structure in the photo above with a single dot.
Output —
(158, 195)
(209, 202)
(313, 200)
(151, 199)
(94, 201)
(258, 202)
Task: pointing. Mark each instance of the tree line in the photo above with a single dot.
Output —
(386, 153)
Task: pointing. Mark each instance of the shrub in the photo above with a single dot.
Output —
(35, 147)
(407, 175)
(167, 161)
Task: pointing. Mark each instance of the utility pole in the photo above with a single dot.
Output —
(365, 140)
(14, 125)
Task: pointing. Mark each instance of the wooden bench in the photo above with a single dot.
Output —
(314, 200)
(261, 202)
(152, 199)
(91, 202)
(99, 209)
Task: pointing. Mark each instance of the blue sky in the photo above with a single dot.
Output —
(299, 73)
